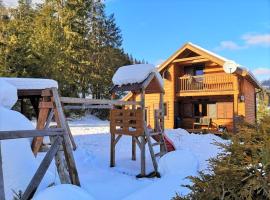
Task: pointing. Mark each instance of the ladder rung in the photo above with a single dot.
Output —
(158, 154)
(157, 143)
(155, 133)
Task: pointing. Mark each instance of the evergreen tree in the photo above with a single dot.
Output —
(73, 42)
(242, 171)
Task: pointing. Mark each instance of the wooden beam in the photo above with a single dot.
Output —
(2, 188)
(117, 139)
(72, 100)
(203, 93)
(142, 142)
(44, 165)
(83, 107)
(42, 118)
(6, 135)
(188, 59)
(180, 61)
(112, 151)
(66, 141)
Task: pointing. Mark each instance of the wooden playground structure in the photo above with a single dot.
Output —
(127, 118)
(131, 121)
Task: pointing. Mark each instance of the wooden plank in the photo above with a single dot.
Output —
(6, 135)
(44, 104)
(42, 118)
(96, 101)
(61, 165)
(188, 59)
(112, 151)
(83, 107)
(137, 141)
(117, 139)
(202, 60)
(28, 92)
(143, 137)
(2, 188)
(66, 142)
(44, 165)
(133, 150)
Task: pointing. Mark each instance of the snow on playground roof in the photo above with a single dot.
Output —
(131, 74)
(30, 83)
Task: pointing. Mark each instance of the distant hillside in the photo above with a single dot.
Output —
(266, 83)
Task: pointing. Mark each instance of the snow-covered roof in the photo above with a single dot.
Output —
(137, 73)
(30, 83)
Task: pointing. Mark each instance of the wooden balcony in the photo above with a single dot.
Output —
(206, 85)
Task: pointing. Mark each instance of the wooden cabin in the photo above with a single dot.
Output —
(200, 94)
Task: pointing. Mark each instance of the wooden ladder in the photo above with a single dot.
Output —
(159, 137)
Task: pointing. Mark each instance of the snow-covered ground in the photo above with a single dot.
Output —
(98, 180)
(102, 182)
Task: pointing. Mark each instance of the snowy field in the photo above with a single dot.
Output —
(98, 180)
(102, 182)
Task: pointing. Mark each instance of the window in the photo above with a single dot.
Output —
(200, 109)
(205, 109)
(195, 70)
(187, 109)
(189, 71)
(212, 110)
(198, 71)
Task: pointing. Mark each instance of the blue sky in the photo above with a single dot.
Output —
(154, 29)
(238, 30)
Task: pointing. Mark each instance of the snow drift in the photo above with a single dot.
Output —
(8, 94)
(64, 191)
(19, 163)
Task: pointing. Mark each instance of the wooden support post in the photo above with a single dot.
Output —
(142, 156)
(61, 165)
(42, 118)
(163, 147)
(44, 165)
(133, 157)
(112, 160)
(112, 147)
(74, 146)
(2, 188)
(73, 173)
(143, 137)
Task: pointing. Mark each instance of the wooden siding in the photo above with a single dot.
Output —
(152, 101)
(249, 95)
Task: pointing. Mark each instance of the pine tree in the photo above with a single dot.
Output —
(242, 171)
(73, 42)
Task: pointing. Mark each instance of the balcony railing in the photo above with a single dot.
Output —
(207, 83)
